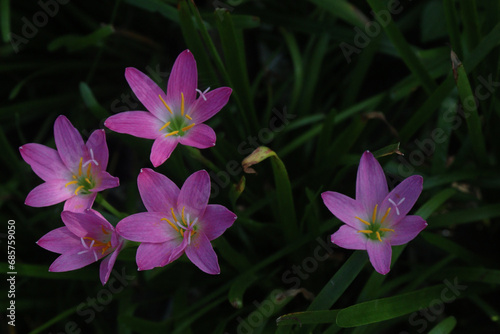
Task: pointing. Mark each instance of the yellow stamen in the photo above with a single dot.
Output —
(374, 216)
(182, 213)
(163, 127)
(378, 236)
(88, 181)
(188, 117)
(172, 133)
(193, 232)
(363, 221)
(88, 170)
(78, 189)
(70, 182)
(80, 167)
(182, 233)
(74, 176)
(386, 230)
(173, 214)
(165, 104)
(182, 104)
(385, 216)
(104, 230)
(171, 224)
(105, 248)
(365, 231)
(187, 127)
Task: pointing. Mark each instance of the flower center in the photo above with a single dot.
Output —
(184, 226)
(375, 230)
(84, 182)
(94, 245)
(177, 125)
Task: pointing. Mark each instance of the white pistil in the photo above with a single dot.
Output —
(396, 205)
(91, 159)
(202, 94)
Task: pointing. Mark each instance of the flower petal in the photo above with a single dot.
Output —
(151, 255)
(69, 142)
(202, 254)
(158, 192)
(183, 79)
(200, 136)
(194, 194)
(349, 238)
(107, 264)
(148, 92)
(80, 203)
(371, 185)
(67, 262)
(105, 181)
(136, 123)
(146, 227)
(202, 109)
(380, 255)
(61, 241)
(49, 193)
(345, 208)
(97, 143)
(86, 224)
(44, 161)
(215, 221)
(401, 199)
(406, 230)
(162, 149)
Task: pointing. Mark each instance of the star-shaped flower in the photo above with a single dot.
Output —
(174, 117)
(377, 219)
(86, 238)
(178, 221)
(75, 173)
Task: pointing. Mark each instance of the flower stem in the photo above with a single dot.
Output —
(99, 199)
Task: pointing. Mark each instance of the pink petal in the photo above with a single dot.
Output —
(97, 143)
(183, 79)
(215, 221)
(44, 161)
(199, 136)
(380, 255)
(79, 203)
(202, 110)
(87, 224)
(61, 241)
(345, 209)
(371, 185)
(49, 193)
(107, 264)
(349, 238)
(147, 227)
(67, 262)
(105, 181)
(158, 192)
(401, 199)
(406, 230)
(148, 92)
(151, 255)
(194, 194)
(162, 149)
(140, 124)
(201, 253)
(69, 142)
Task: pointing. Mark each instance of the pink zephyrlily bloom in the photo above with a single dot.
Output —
(377, 219)
(86, 238)
(174, 117)
(178, 221)
(75, 173)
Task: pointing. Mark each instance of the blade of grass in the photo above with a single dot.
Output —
(470, 22)
(5, 20)
(452, 26)
(407, 54)
(446, 326)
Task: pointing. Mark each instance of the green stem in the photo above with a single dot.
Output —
(99, 199)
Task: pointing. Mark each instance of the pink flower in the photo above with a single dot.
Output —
(74, 173)
(377, 219)
(174, 117)
(86, 238)
(177, 222)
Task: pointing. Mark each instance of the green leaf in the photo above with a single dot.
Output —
(464, 216)
(74, 43)
(167, 11)
(90, 101)
(5, 20)
(446, 326)
(388, 308)
(312, 317)
(343, 10)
